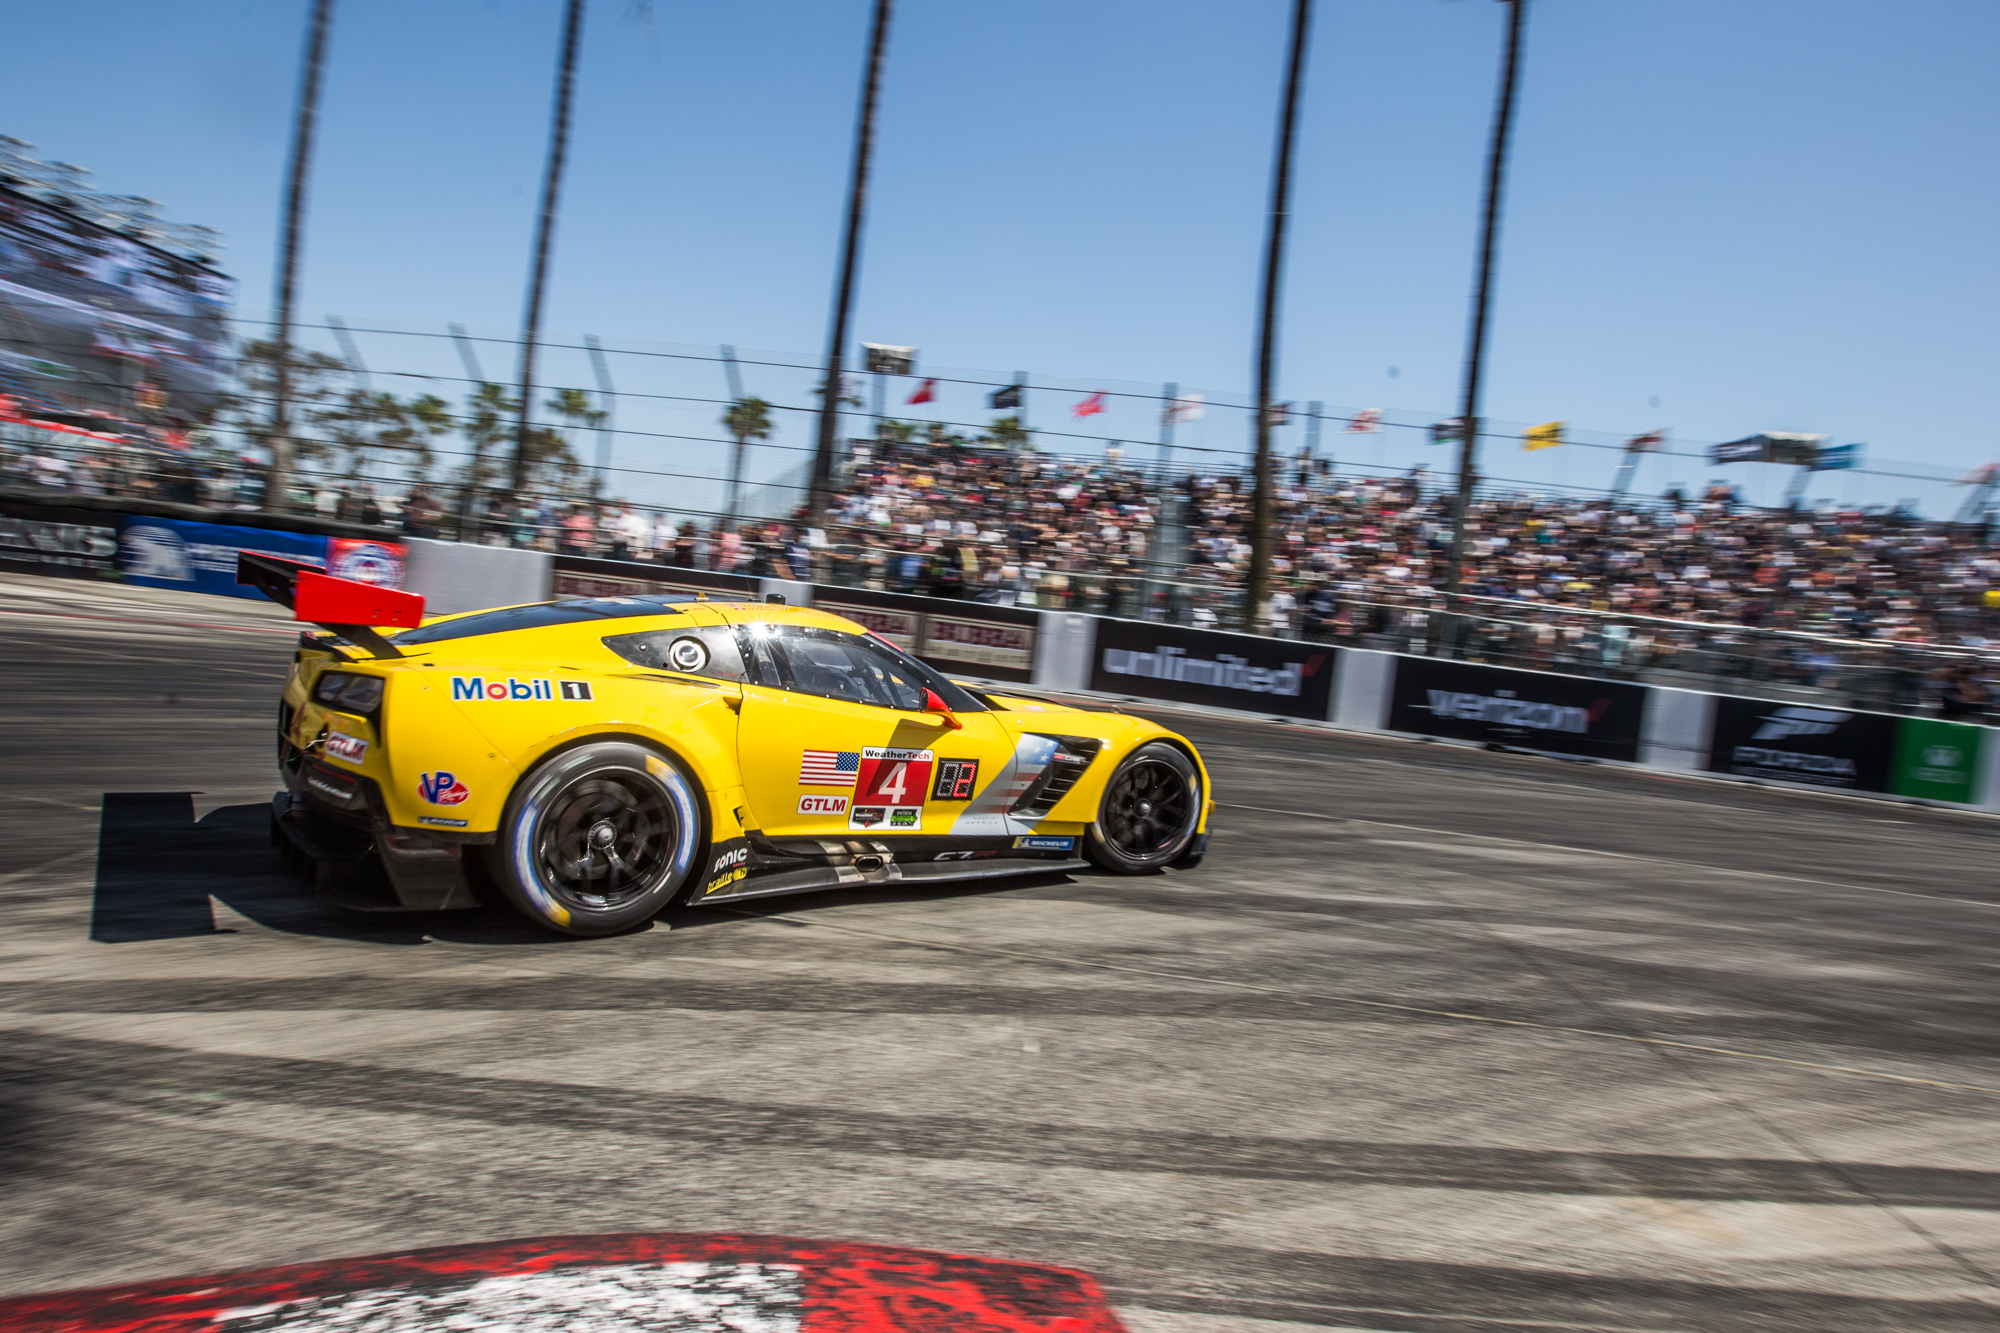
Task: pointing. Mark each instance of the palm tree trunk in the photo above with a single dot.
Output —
(850, 251)
(278, 478)
(531, 324)
(1475, 352)
(1257, 588)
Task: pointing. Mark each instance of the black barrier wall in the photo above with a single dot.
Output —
(1192, 666)
(1804, 743)
(1528, 709)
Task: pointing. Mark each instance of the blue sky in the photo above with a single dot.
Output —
(1764, 214)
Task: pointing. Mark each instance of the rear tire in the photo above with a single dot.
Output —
(598, 839)
(1147, 819)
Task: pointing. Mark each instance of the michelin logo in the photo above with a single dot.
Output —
(1799, 721)
(1226, 672)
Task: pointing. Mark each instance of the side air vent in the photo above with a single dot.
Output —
(1072, 757)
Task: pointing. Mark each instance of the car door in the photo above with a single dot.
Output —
(835, 741)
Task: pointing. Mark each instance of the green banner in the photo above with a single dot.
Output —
(1937, 760)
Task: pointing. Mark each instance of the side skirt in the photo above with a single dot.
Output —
(927, 872)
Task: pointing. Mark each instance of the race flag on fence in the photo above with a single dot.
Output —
(1366, 420)
(1089, 407)
(1548, 435)
(1187, 407)
(1010, 396)
(1451, 428)
(1277, 414)
(925, 393)
(1650, 443)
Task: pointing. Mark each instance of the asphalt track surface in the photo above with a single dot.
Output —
(1437, 1039)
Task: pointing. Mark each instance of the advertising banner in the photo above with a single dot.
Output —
(201, 557)
(1532, 710)
(76, 542)
(1241, 671)
(958, 638)
(1802, 743)
(1937, 760)
(382, 564)
(584, 576)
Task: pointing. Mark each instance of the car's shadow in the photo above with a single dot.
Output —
(158, 868)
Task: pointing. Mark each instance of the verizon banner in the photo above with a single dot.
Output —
(1529, 709)
(1241, 671)
(1802, 743)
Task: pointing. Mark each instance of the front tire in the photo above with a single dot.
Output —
(1147, 819)
(598, 839)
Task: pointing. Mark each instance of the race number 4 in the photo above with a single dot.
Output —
(893, 777)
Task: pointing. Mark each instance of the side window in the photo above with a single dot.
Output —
(843, 666)
(710, 652)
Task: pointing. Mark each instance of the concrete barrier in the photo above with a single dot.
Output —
(457, 576)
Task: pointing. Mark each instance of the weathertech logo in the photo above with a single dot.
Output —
(1504, 710)
(1799, 721)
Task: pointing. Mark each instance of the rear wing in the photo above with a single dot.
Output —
(348, 608)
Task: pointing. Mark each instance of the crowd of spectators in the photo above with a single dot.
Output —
(1699, 580)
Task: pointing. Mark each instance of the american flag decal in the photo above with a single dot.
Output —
(829, 768)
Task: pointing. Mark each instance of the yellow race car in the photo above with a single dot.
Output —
(596, 760)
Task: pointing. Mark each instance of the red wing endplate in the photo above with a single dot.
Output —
(346, 607)
(643, 1281)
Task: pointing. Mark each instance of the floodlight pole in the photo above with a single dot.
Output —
(1257, 587)
(821, 493)
(278, 477)
(545, 227)
(1475, 356)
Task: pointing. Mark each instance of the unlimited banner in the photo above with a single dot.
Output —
(1239, 671)
(1530, 710)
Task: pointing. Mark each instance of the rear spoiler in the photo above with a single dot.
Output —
(348, 608)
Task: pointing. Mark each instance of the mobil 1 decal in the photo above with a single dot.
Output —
(1533, 710)
(889, 790)
(1219, 670)
(1802, 743)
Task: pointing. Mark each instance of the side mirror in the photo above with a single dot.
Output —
(935, 704)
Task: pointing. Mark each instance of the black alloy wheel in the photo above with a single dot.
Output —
(1148, 815)
(604, 839)
(598, 839)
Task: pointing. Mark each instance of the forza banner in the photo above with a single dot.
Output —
(1802, 743)
(1532, 710)
(1240, 671)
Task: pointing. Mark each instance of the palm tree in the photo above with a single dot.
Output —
(279, 438)
(1475, 354)
(531, 323)
(1257, 587)
(850, 255)
(746, 419)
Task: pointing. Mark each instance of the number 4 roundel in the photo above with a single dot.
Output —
(893, 777)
